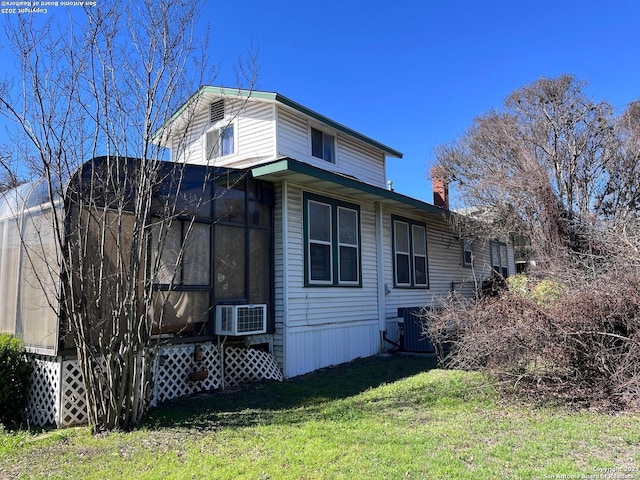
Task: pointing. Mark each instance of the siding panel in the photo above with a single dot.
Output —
(329, 325)
(361, 162)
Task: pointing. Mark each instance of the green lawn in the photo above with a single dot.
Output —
(380, 418)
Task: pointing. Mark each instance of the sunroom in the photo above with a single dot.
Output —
(207, 259)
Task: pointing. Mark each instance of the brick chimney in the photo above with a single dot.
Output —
(440, 187)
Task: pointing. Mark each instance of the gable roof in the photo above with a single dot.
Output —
(282, 100)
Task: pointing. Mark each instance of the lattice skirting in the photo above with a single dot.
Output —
(57, 392)
(44, 390)
(185, 369)
(243, 365)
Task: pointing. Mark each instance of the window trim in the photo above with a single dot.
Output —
(334, 244)
(412, 255)
(220, 127)
(464, 243)
(500, 246)
(334, 147)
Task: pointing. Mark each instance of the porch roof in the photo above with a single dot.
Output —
(303, 173)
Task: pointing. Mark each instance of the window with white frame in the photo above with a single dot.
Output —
(499, 259)
(220, 138)
(220, 141)
(466, 245)
(410, 262)
(332, 237)
(323, 145)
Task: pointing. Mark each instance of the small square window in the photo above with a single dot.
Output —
(220, 142)
(322, 145)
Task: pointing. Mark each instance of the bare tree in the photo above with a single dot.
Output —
(563, 171)
(104, 88)
(539, 167)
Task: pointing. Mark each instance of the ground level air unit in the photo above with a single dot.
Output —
(241, 319)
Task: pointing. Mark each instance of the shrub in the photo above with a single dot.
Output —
(14, 380)
(580, 344)
(543, 292)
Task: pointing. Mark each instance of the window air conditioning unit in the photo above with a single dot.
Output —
(238, 320)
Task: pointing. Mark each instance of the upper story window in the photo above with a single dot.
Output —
(410, 253)
(323, 145)
(220, 138)
(332, 234)
(499, 260)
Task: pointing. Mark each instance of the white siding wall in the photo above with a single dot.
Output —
(255, 136)
(326, 325)
(187, 146)
(445, 265)
(293, 137)
(352, 157)
(361, 161)
(321, 326)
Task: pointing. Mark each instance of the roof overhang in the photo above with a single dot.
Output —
(317, 178)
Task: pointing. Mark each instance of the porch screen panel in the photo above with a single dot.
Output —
(230, 204)
(197, 254)
(167, 240)
(180, 311)
(259, 266)
(37, 318)
(9, 256)
(229, 277)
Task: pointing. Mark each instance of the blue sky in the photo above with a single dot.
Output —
(413, 74)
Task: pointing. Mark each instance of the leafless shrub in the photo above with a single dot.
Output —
(583, 348)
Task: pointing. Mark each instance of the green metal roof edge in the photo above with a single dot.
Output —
(276, 97)
(338, 126)
(294, 166)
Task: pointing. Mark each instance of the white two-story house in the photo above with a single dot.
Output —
(299, 258)
(348, 253)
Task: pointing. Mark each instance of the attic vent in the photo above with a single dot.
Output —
(216, 111)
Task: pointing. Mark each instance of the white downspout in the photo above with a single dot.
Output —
(382, 304)
(285, 273)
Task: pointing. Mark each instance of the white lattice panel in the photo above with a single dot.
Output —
(243, 365)
(57, 390)
(175, 363)
(73, 404)
(43, 403)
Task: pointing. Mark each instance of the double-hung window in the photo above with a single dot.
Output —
(332, 234)
(410, 253)
(499, 260)
(466, 244)
(323, 145)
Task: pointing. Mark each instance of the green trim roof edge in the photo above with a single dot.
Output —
(294, 166)
(276, 97)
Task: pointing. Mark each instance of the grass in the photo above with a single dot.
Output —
(379, 418)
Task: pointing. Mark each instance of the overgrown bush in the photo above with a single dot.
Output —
(580, 344)
(14, 380)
